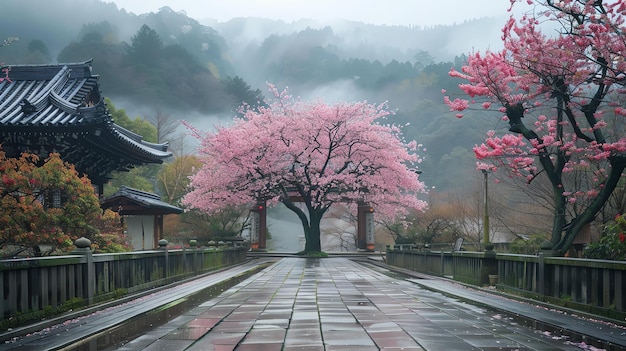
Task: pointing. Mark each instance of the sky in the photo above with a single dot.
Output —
(388, 12)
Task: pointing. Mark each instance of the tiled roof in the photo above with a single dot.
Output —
(132, 201)
(59, 108)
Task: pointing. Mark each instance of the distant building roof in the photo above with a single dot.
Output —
(59, 108)
(129, 201)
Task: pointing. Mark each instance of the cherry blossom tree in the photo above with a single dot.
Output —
(559, 91)
(311, 152)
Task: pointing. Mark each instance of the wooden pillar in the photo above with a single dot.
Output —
(262, 208)
(258, 226)
(158, 230)
(364, 220)
(369, 229)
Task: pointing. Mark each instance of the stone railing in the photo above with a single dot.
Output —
(37, 284)
(594, 286)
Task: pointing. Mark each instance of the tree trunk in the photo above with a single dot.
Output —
(310, 224)
(589, 214)
(313, 243)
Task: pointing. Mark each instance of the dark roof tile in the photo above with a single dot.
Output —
(64, 100)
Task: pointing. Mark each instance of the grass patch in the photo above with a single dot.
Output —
(313, 254)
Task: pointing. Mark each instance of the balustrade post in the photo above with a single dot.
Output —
(83, 247)
(166, 264)
(193, 244)
(541, 279)
(489, 267)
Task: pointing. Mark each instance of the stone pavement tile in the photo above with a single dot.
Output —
(421, 327)
(306, 306)
(277, 323)
(220, 311)
(271, 313)
(304, 348)
(471, 330)
(303, 337)
(345, 327)
(337, 318)
(242, 316)
(448, 345)
(202, 321)
(216, 342)
(304, 324)
(346, 338)
(210, 347)
(187, 333)
(381, 326)
(281, 302)
(260, 347)
(369, 317)
(351, 348)
(250, 307)
(452, 326)
(299, 315)
(538, 342)
(265, 336)
(330, 304)
(168, 345)
(233, 327)
(139, 343)
(392, 339)
(490, 341)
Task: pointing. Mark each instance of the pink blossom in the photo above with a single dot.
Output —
(457, 104)
(332, 152)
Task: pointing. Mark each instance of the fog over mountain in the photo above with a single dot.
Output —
(372, 42)
(203, 70)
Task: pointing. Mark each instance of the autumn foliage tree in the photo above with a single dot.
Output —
(559, 93)
(44, 205)
(319, 153)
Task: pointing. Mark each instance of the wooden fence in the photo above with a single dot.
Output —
(594, 286)
(33, 284)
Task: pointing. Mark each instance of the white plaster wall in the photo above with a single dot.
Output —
(140, 231)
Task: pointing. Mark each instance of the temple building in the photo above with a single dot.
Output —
(143, 215)
(59, 108)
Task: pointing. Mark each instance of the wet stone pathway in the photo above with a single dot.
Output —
(338, 304)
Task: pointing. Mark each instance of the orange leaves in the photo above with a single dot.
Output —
(29, 192)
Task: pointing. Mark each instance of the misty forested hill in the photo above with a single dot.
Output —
(172, 62)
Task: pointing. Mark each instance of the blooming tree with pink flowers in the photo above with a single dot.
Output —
(561, 92)
(311, 152)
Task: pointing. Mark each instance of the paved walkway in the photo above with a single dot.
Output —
(339, 304)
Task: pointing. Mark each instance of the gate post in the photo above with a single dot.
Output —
(254, 229)
(360, 225)
(262, 225)
(369, 229)
(365, 227)
(258, 226)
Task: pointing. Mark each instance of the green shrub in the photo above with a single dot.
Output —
(612, 243)
(530, 246)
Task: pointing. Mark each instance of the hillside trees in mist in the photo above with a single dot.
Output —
(150, 72)
(200, 68)
(145, 47)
